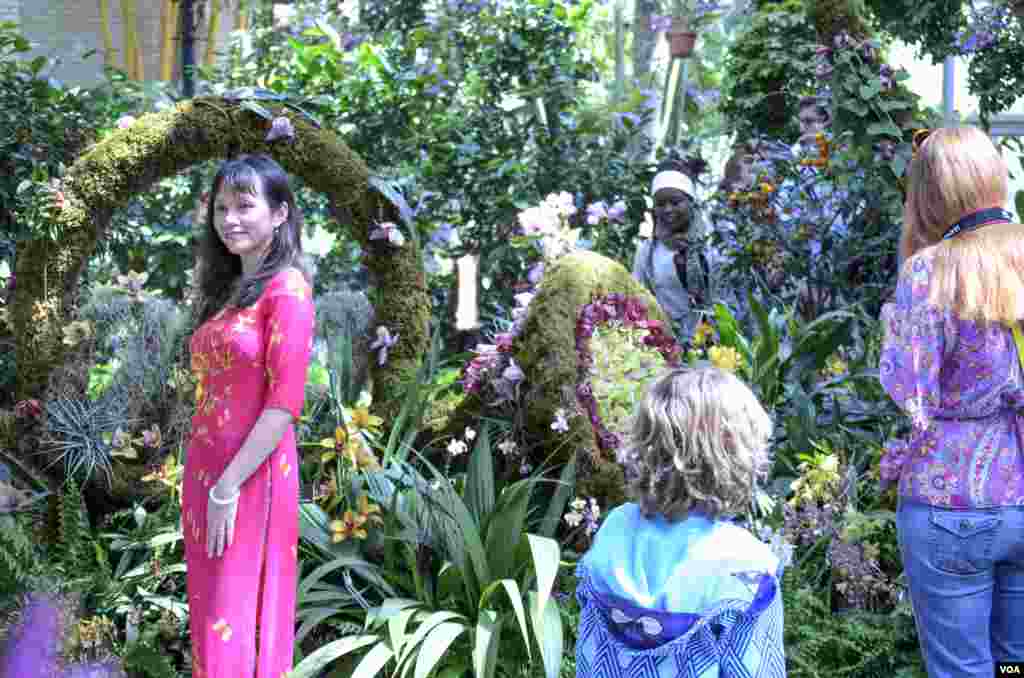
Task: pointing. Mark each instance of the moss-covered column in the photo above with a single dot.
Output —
(546, 347)
(833, 17)
(36, 313)
(404, 308)
(160, 145)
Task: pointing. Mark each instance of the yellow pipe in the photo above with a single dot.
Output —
(243, 15)
(168, 49)
(132, 55)
(211, 37)
(109, 53)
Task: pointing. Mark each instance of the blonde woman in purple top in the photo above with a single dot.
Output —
(949, 360)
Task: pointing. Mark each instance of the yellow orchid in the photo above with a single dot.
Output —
(702, 334)
(338, 442)
(169, 474)
(369, 511)
(835, 366)
(725, 358)
(350, 525)
(364, 421)
(360, 454)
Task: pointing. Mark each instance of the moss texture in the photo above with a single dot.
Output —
(832, 17)
(159, 145)
(546, 349)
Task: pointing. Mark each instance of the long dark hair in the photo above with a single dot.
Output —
(219, 269)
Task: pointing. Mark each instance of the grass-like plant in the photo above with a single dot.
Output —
(78, 436)
(465, 567)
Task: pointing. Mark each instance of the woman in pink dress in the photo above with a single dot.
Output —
(241, 486)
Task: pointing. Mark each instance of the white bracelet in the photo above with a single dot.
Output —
(223, 502)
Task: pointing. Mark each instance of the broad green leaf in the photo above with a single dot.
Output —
(485, 644)
(397, 625)
(878, 129)
(257, 109)
(546, 555)
(516, 596)
(436, 645)
(311, 666)
(377, 616)
(505, 529)
(314, 577)
(329, 31)
(423, 629)
(562, 494)
(165, 539)
(386, 189)
(373, 662)
(729, 332)
(313, 526)
(767, 344)
(547, 627)
(467, 536)
(854, 105)
(820, 339)
(479, 492)
(311, 618)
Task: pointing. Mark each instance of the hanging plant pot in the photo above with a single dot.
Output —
(681, 41)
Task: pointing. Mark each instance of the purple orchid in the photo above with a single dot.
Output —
(280, 128)
(617, 212)
(597, 212)
(382, 343)
(660, 23)
(389, 231)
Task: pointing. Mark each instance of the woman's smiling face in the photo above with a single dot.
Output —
(671, 212)
(245, 221)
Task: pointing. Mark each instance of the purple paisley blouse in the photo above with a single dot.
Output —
(962, 387)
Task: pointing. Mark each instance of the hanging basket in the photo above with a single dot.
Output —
(681, 41)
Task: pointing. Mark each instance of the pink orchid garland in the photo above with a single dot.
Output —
(631, 312)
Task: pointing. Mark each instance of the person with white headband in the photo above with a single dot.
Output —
(673, 264)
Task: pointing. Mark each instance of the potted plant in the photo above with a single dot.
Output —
(686, 19)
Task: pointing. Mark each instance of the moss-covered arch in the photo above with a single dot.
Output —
(158, 145)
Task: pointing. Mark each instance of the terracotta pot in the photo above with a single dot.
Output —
(681, 40)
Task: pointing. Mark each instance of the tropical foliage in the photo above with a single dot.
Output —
(438, 536)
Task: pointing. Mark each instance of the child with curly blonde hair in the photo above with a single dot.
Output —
(671, 586)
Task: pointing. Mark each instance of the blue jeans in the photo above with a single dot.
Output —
(965, 570)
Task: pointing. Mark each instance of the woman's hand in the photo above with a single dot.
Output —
(221, 512)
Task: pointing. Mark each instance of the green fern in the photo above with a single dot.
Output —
(74, 549)
(821, 644)
(18, 556)
(144, 661)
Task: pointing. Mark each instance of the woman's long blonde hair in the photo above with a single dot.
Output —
(977, 274)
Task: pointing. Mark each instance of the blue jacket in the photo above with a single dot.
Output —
(697, 598)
